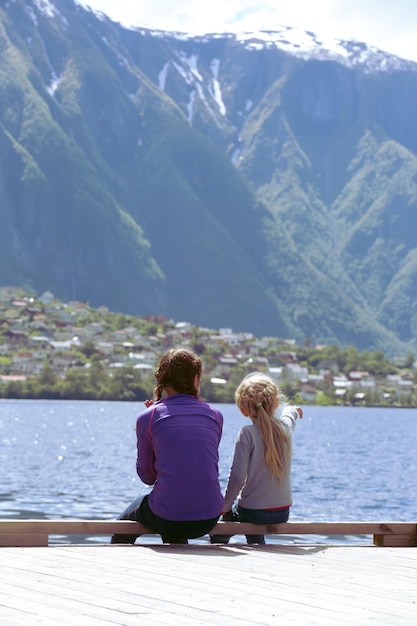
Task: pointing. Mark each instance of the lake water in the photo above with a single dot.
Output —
(63, 459)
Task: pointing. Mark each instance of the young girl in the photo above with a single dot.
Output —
(260, 472)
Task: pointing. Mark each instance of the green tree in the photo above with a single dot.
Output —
(98, 377)
(126, 384)
(76, 386)
(88, 348)
(47, 377)
(409, 359)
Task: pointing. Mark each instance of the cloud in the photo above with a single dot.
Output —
(215, 15)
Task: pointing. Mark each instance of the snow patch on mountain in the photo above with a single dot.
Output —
(303, 44)
(162, 77)
(307, 45)
(46, 8)
(215, 88)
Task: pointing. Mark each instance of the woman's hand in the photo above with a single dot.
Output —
(148, 403)
(299, 411)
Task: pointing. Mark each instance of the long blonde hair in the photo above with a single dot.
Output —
(258, 397)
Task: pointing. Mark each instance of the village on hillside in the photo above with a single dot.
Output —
(52, 349)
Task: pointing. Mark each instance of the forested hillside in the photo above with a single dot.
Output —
(229, 181)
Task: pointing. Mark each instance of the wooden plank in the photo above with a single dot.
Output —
(339, 528)
(395, 540)
(22, 539)
(70, 527)
(35, 532)
(108, 527)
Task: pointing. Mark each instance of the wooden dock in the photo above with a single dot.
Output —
(207, 584)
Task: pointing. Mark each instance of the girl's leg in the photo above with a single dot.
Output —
(255, 516)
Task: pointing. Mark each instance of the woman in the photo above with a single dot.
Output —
(178, 436)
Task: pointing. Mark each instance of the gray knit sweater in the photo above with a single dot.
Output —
(250, 478)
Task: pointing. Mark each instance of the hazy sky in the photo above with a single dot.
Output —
(387, 24)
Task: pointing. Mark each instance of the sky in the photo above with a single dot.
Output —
(390, 25)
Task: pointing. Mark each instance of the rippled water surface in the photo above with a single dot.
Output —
(77, 459)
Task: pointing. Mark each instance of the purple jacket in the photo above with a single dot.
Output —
(177, 452)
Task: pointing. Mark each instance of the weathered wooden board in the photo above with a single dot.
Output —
(36, 532)
(205, 584)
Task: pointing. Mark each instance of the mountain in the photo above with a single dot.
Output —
(264, 182)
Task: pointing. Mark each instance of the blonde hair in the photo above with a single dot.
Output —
(258, 397)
